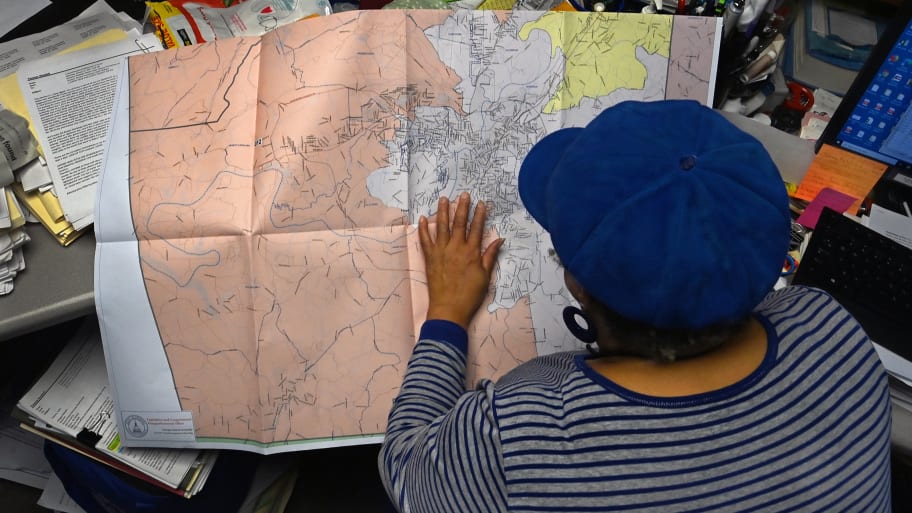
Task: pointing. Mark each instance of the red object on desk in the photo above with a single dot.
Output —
(788, 115)
(800, 98)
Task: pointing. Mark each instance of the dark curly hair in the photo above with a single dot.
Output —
(663, 345)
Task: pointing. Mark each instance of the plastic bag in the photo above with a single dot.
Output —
(184, 23)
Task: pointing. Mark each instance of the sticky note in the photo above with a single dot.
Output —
(840, 170)
(825, 198)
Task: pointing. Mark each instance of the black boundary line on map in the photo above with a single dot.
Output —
(139, 257)
(224, 97)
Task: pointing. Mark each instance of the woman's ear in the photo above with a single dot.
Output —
(576, 289)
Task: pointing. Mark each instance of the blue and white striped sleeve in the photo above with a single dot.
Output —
(442, 447)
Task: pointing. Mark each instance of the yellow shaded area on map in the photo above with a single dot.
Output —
(589, 41)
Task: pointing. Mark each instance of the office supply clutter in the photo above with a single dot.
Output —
(71, 405)
(865, 152)
(191, 22)
(749, 76)
(873, 125)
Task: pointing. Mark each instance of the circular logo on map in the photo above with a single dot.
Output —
(136, 426)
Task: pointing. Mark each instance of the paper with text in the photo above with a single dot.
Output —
(70, 99)
(98, 18)
(73, 395)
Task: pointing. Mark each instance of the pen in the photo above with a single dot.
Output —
(730, 17)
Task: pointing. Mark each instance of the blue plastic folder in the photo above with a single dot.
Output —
(830, 48)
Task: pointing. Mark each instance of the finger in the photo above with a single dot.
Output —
(424, 235)
(489, 257)
(461, 219)
(478, 222)
(443, 221)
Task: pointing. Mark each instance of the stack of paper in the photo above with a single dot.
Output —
(17, 147)
(15, 13)
(26, 185)
(66, 111)
(71, 405)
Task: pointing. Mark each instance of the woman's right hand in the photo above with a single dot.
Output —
(458, 272)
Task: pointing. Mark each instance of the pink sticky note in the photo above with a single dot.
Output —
(825, 198)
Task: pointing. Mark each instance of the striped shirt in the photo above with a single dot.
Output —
(808, 430)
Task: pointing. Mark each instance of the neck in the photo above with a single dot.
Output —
(655, 350)
(662, 345)
(716, 368)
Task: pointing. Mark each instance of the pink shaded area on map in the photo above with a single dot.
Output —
(282, 289)
(688, 59)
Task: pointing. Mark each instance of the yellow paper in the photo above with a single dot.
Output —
(11, 96)
(63, 231)
(16, 217)
(843, 171)
(52, 205)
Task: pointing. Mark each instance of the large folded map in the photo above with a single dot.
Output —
(258, 276)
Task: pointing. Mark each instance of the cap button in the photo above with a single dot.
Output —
(688, 162)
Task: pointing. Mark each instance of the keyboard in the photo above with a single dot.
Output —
(869, 274)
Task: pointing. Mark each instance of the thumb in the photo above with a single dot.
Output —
(489, 257)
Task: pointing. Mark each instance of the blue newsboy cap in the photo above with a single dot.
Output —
(663, 211)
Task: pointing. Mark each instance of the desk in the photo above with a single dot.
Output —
(56, 286)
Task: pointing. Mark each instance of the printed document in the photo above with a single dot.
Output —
(16, 11)
(98, 18)
(73, 396)
(258, 275)
(70, 98)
